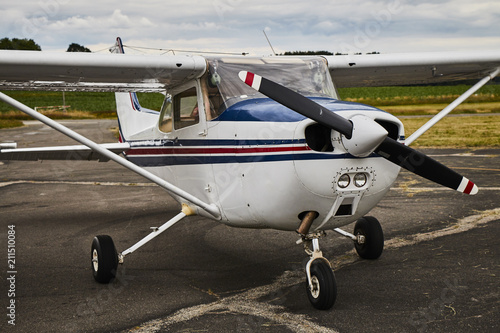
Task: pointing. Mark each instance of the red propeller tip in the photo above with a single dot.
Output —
(467, 187)
(251, 79)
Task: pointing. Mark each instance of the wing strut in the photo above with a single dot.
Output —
(186, 211)
(210, 208)
(450, 107)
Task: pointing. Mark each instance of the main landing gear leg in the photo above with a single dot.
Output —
(104, 257)
(321, 285)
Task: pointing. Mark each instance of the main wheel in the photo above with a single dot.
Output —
(373, 244)
(104, 259)
(324, 286)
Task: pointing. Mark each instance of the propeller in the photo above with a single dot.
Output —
(356, 135)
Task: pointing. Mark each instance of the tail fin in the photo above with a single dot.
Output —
(132, 117)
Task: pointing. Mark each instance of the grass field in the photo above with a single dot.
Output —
(471, 131)
(82, 104)
(103, 104)
(390, 96)
(457, 132)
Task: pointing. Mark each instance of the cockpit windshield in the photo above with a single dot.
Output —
(308, 76)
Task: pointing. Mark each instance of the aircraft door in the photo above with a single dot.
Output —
(183, 120)
(183, 114)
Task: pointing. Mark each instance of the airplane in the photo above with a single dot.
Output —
(253, 142)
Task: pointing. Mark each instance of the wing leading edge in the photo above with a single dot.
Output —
(411, 68)
(30, 70)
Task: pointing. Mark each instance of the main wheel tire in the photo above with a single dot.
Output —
(373, 246)
(104, 259)
(324, 292)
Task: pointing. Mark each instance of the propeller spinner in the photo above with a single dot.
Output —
(359, 141)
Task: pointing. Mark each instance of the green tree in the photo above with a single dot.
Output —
(19, 44)
(74, 47)
(309, 53)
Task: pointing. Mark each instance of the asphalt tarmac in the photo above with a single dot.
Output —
(439, 271)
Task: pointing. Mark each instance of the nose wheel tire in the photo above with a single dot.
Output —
(104, 259)
(323, 293)
(370, 238)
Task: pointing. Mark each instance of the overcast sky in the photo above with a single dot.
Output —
(237, 25)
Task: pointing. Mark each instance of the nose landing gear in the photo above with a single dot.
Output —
(321, 284)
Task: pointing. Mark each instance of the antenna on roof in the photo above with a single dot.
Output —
(264, 31)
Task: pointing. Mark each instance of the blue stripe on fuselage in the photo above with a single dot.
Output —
(265, 109)
(155, 161)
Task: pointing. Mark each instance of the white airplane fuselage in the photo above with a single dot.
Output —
(264, 174)
(262, 164)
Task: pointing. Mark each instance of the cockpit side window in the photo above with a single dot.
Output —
(181, 110)
(186, 111)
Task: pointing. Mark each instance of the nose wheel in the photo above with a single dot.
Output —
(321, 284)
(322, 290)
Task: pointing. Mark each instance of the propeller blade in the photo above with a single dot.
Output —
(297, 103)
(422, 165)
(389, 149)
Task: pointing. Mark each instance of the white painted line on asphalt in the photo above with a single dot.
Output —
(42, 182)
(461, 155)
(247, 302)
(434, 189)
(56, 182)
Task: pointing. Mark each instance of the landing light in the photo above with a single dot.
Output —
(360, 180)
(344, 181)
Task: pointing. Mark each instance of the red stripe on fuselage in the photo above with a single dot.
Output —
(184, 151)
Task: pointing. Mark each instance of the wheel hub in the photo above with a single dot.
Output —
(315, 289)
(95, 262)
(360, 239)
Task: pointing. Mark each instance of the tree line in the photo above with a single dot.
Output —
(31, 45)
(311, 53)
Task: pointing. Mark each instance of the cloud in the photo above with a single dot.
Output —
(237, 24)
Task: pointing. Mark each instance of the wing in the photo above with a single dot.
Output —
(31, 70)
(60, 153)
(410, 68)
